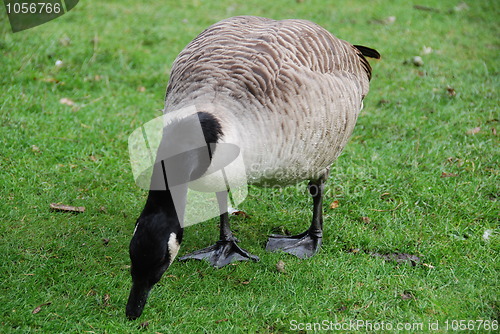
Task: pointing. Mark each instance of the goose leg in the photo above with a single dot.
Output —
(226, 249)
(306, 244)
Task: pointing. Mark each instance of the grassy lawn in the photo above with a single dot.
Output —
(420, 176)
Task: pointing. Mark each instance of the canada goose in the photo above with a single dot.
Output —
(287, 94)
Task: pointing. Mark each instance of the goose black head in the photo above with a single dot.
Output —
(154, 246)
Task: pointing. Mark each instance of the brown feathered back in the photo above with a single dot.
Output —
(287, 92)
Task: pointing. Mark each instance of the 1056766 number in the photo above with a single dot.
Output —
(471, 325)
(33, 8)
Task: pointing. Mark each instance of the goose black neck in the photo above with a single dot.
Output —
(171, 174)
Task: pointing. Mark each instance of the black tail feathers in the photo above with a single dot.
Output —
(367, 52)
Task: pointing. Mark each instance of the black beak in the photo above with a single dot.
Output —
(136, 301)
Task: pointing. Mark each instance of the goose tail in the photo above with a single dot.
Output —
(368, 52)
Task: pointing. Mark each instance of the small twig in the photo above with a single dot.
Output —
(427, 9)
(66, 208)
(394, 209)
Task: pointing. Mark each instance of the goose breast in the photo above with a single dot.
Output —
(288, 93)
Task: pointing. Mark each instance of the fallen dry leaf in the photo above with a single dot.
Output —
(141, 89)
(366, 220)
(280, 267)
(106, 299)
(342, 308)
(67, 102)
(493, 131)
(407, 295)
(334, 205)
(451, 91)
(240, 213)
(473, 131)
(66, 208)
(39, 307)
(443, 174)
(49, 79)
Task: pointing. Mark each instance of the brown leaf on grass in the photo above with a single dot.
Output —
(342, 308)
(50, 80)
(384, 195)
(443, 174)
(221, 320)
(240, 213)
(280, 267)
(67, 102)
(493, 131)
(39, 307)
(473, 131)
(334, 204)
(366, 220)
(66, 208)
(106, 299)
(451, 91)
(407, 295)
(141, 89)
(144, 325)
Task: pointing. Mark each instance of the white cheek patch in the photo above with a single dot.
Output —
(173, 246)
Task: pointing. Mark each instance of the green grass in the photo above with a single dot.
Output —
(411, 131)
